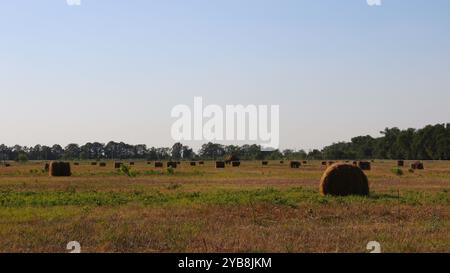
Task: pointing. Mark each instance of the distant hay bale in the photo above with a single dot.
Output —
(93, 163)
(305, 162)
(364, 165)
(149, 163)
(231, 158)
(344, 180)
(330, 163)
(76, 164)
(265, 163)
(324, 163)
(201, 163)
(159, 164)
(193, 163)
(171, 164)
(220, 164)
(355, 163)
(400, 163)
(236, 164)
(59, 169)
(417, 165)
(7, 165)
(295, 164)
(281, 162)
(102, 164)
(46, 167)
(117, 165)
(131, 163)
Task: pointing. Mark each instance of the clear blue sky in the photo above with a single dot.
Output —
(113, 69)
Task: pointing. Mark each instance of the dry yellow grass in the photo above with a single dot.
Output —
(202, 209)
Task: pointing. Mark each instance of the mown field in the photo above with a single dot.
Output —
(202, 209)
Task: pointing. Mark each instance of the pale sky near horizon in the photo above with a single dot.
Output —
(113, 69)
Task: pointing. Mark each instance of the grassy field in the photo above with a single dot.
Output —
(201, 209)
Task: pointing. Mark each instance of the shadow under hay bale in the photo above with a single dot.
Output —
(171, 164)
(102, 164)
(117, 165)
(365, 165)
(220, 164)
(236, 164)
(417, 165)
(159, 165)
(344, 180)
(295, 164)
(59, 169)
(400, 163)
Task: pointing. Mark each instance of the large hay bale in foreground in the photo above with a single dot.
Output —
(59, 169)
(344, 180)
(365, 165)
(295, 164)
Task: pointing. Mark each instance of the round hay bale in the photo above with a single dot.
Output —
(59, 169)
(295, 164)
(344, 180)
(236, 164)
(231, 158)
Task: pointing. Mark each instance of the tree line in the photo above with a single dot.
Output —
(429, 143)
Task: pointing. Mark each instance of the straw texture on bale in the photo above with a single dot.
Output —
(59, 169)
(344, 180)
